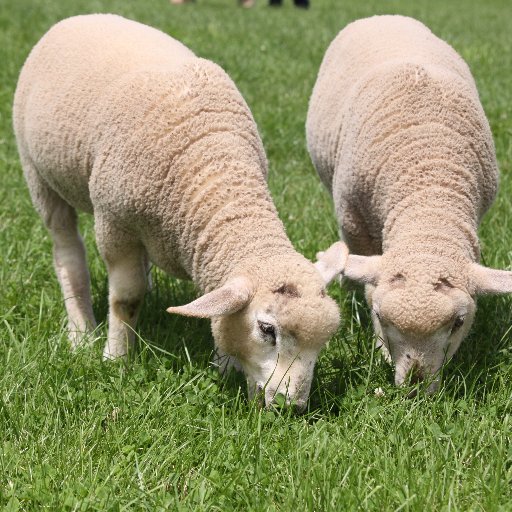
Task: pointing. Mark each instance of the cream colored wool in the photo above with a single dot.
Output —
(396, 131)
(118, 119)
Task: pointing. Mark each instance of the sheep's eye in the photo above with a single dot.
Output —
(377, 314)
(457, 324)
(268, 330)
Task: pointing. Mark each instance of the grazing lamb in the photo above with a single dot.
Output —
(396, 132)
(117, 119)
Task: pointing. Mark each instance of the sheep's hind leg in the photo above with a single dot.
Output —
(68, 253)
(73, 274)
(127, 265)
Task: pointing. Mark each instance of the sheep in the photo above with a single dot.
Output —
(119, 120)
(397, 134)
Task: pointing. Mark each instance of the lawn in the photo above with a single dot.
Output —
(164, 431)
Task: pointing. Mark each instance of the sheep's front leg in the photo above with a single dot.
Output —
(127, 285)
(126, 262)
(355, 232)
(380, 341)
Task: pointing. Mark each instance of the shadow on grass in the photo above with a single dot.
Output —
(172, 333)
(179, 342)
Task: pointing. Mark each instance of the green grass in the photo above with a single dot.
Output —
(165, 432)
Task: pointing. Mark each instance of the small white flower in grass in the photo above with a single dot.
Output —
(379, 392)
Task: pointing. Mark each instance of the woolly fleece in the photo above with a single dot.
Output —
(397, 134)
(121, 120)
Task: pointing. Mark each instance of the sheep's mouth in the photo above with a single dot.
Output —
(427, 384)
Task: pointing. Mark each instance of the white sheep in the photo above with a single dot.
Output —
(396, 131)
(117, 119)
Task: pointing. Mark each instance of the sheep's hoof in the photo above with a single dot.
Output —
(115, 350)
(80, 339)
(77, 339)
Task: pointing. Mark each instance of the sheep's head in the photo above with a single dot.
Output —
(422, 306)
(274, 320)
(421, 311)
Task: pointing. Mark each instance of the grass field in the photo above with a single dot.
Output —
(165, 432)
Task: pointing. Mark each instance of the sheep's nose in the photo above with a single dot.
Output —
(415, 374)
(298, 407)
(277, 400)
(281, 402)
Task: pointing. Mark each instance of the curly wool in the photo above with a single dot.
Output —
(120, 120)
(154, 140)
(396, 132)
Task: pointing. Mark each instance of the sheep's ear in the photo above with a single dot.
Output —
(490, 280)
(227, 299)
(331, 262)
(363, 269)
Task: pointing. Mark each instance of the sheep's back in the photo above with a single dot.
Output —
(414, 127)
(397, 133)
(124, 121)
(180, 153)
(63, 82)
(357, 51)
